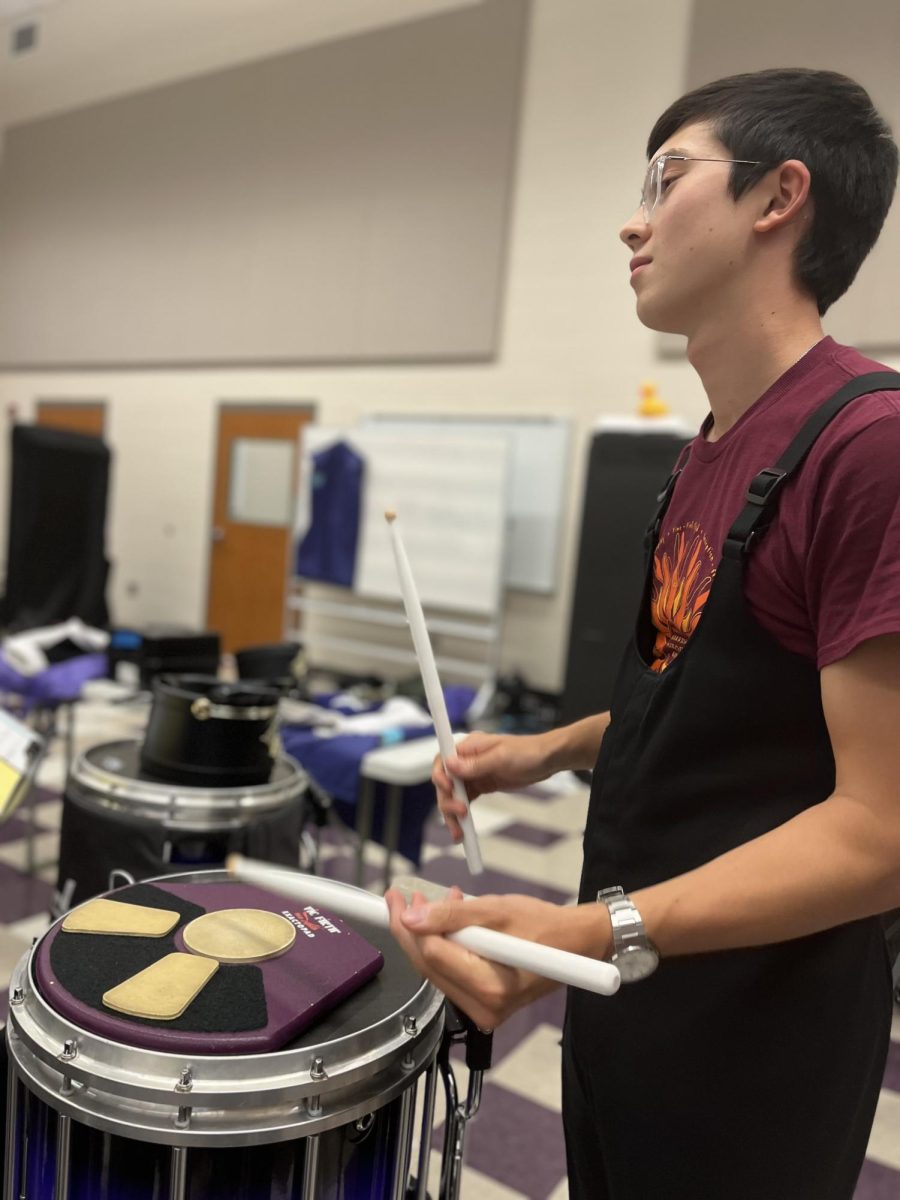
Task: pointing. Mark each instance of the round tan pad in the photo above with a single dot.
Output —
(239, 935)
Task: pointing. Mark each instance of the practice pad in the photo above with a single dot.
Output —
(164, 990)
(239, 935)
(130, 920)
(245, 1007)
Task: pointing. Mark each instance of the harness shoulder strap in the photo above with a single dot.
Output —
(765, 488)
(663, 500)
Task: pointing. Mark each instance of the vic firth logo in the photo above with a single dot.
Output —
(310, 921)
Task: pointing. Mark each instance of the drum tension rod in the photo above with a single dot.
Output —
(69, 1051)
(317, 1073)
(410, 1027)
(184, 1084)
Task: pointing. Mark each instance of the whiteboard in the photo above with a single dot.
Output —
(539, 451)
(449, 494)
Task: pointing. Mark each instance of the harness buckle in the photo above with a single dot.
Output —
(764, 485)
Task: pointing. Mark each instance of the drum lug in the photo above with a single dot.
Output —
(411, 1028)
(69, 1050)
(201, 708)
(185, 1080)
(183, 1117)
(317, 1071)
(18, 996)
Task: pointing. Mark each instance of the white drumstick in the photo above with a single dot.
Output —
(577, 970)
(433, 691)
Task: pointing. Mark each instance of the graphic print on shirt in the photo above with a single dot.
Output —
(684, 567)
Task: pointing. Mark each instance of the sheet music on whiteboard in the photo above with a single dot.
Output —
(539, 452)
(451, 495)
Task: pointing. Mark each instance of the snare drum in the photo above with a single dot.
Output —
(329, 1117)
(115, 818)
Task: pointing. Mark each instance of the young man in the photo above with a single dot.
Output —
(745, 795)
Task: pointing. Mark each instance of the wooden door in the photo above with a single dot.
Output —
(80, 417)
(253, 511)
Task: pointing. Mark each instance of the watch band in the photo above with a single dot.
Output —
(627, 926)
(633, 952)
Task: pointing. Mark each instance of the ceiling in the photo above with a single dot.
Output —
(90, 50)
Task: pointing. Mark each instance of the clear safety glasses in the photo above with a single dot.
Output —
(660, 173)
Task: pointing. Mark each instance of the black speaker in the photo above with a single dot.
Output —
(626, 471)
(56, 564)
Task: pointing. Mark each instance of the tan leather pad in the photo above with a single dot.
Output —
(112, 916)
(237, 935)
(164, 990)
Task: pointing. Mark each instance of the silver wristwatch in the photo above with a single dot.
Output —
(633, 953)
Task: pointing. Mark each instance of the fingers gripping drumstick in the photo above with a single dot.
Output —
(354, 904)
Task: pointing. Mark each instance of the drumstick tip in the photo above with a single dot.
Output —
(390, 516)
(233, 863)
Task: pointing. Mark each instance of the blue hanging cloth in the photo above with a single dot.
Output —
(327, 552)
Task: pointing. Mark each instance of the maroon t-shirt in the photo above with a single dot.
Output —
(826, 574)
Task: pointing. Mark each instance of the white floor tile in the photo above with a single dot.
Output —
(895, 1026)
(12, 947)
(30, 927)
(533, 1069)
(561, 1192)
(564, 815)
(554, 866)
(49, 814)
(489, 820)
(884, 1144)
(46, 851)
(52, 774)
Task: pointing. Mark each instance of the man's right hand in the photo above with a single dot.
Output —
(496, 762)
(490, 762)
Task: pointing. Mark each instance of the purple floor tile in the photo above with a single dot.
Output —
(343, 868)
(41, 795)
(518, 1143)
(892, 1068)
(549, 1010)
(437, 834)
(521, 832)
(877, 1183)
(21, 895)
(447, 870)
(15, 828)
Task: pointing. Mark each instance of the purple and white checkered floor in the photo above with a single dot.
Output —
(530, 843)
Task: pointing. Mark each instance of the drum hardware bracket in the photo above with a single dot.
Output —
(185, 1081)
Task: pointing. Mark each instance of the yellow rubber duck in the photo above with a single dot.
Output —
(651, 404)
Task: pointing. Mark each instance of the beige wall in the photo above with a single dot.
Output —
(597, 76)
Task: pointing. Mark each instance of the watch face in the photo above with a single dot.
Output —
(636, 962)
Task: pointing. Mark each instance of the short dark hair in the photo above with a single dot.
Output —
(828, 122)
